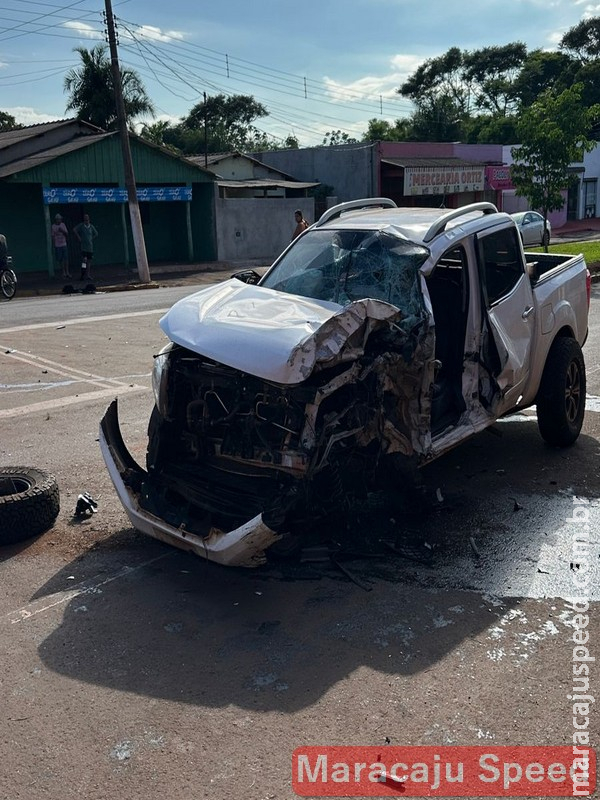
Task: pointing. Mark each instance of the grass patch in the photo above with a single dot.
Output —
(590, 250)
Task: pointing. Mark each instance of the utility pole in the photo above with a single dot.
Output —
(205, 132)
(134, 208)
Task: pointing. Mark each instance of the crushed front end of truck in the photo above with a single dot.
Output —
(276, 412)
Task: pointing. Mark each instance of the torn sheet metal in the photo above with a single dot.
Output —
(283, 337)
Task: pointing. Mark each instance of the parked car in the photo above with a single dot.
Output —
(381, 338)
(531, 228)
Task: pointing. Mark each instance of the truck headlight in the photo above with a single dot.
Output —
(160, 372)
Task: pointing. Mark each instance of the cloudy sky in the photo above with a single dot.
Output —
(317, 65)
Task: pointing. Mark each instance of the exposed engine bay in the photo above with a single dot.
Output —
(229, 445)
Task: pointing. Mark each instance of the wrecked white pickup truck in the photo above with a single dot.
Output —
(380, 338)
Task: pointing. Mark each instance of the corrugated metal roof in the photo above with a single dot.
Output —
(257, 183)
(79, 142)
(210, 158)
(433, 162)
(44, 156)
(9, 138)
(215, 158)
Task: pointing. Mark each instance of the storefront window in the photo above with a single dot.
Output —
(589, 190)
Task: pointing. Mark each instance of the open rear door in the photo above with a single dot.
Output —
(508, 314)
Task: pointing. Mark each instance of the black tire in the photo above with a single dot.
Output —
(561, 397)
(545, 239)
(8, 283)
(29, 503)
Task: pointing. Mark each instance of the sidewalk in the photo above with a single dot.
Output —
(118, 278)
(578, 229)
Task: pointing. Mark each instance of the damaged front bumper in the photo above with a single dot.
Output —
(244, 546)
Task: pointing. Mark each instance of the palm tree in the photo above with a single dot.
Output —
(91, 92)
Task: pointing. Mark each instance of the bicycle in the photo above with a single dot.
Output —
(8, 280)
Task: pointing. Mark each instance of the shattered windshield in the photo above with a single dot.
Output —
(342, 266)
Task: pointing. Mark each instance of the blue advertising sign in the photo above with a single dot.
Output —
(102, 194)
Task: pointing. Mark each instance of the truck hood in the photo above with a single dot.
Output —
(275, 336)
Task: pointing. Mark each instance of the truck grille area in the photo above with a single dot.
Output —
(227, 449)
(221, 413)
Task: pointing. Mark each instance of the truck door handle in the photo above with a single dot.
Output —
(528, 312)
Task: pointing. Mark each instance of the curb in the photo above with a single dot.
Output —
(128, 287)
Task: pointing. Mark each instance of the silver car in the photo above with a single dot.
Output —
(531, 228)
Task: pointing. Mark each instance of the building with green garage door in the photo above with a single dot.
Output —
(72, 168)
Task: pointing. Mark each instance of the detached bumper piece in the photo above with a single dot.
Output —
(242, 547)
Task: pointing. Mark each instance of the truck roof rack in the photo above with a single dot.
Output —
(354, 205)
(440, 224)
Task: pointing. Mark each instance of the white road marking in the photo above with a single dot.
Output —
(61, 402)
(94, 586)
(592, 403)
(60, 369)
(107, 387)
(82, 320)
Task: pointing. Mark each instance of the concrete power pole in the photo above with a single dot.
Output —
(134, 208)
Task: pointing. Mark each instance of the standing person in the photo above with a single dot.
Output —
(3, 252)
(86, 233)
(59, 235)
(301, 223)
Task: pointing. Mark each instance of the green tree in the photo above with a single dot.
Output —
(438, 118)
(155, 131)
(543, 70)
(553, 133)
(583, 40)
(491, 129)
(582, 45)
(338, 137)
(440, 77)
(291, 142)
(91, 90)
(380, 130)
(491, 73)
(8, 122)
(220, 124)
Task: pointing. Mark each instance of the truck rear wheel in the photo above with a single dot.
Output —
(561, 397)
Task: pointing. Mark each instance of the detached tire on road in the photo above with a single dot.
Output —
(561, 397)
(29, 503)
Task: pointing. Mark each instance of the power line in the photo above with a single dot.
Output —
(302, 119)
(274, 79)
(174, 63)
(36, 19)
(185, 65)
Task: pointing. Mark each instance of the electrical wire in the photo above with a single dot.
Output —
(30, 21)
(142, 45)
(273, 79)
(172, 62)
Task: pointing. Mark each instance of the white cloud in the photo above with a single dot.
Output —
(83, 28)
(372, 86)
(29, 116)
(591, 10)
(155, 34)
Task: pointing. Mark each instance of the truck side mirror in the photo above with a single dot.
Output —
(247, 276)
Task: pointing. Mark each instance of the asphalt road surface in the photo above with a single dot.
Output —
(129, 669)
